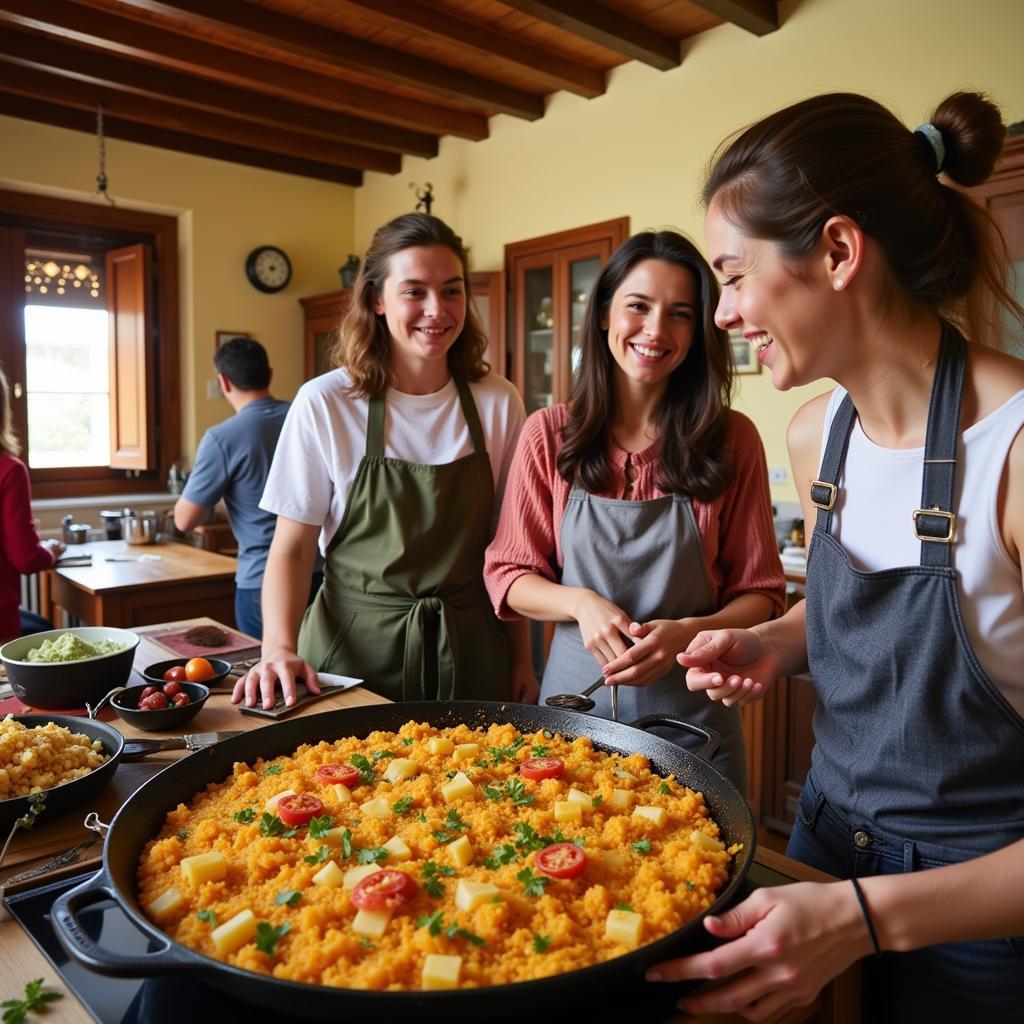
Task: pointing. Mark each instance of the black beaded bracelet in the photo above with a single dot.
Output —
(867, 916)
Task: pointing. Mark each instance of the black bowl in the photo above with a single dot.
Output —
(155, 673)
(126, 704)
(76, 793)
(59, 685)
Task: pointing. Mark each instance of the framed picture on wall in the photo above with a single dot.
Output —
(223, 336)
(743, 354)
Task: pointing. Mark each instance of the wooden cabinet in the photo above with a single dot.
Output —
(323, 314)
(549, 281)
(487, 289)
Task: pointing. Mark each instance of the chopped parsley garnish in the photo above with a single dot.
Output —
(433, 922)
(642, 846)
(244, 816)
(453, 931)
(208, 916)
(504, 854)
(16, 1011)
(480, 763)
(530, 839)
(288, 897)
(272, 825)
(598, 800)
(624, 906)
(402, 806)
(367, 776)
(499, 754)
(663, 787)
(421, 817)
(371, 855)
(453, 824)
(380, 755)
(345, 846)
(431, 878)
(319, 827)
(493, 793)
(533, 885)
(323, 853)
(539, 750)
(273, 769)
(541, 943)
(407, 741)
(182, 834)
(267, 936)
(690, 886)
(515, 790)
(366, 944)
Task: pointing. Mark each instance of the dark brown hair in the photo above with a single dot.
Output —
(693, 416)
(364, 341)
(783, 177)
(244, 362)
(9, 443)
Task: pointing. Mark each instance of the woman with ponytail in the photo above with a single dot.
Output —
(846, 252)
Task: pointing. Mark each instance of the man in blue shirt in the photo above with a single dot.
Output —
(232, 464)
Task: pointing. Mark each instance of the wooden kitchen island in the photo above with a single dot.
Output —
(22, 960)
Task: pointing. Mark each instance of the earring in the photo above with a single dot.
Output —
(838, 284)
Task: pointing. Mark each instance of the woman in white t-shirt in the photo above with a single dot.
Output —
(395, 461)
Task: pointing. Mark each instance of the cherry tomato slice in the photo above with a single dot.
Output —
(198, 670)
(346, 774)
(562, 860)
(175, 674)
(298, 809)
(538, 768)
(383, 890)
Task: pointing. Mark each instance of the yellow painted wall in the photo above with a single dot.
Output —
(640, 149)
(224, 210)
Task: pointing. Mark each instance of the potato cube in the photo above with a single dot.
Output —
(355, 875)
(465, 751)
(470, 895)
(371, 924)
(623, 774)
(460, 788)
(234, 934)
(461, 851)
(271, 805)
(568, 810)
(585, 801)
(329, 876)
(623, 927)
(377, 808)
(441, 971)
(440, 745)
(397, 849)
(333, 836)
(658, 815)
(621, 800)
(165, 904)
(343, 793)
(705, 841)
(204, 867)
(612, 859)
(400, 768)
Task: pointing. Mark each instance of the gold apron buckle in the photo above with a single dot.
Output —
(830, 489)
(936, 513)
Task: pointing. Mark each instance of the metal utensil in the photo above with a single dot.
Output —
(93, 711)
(576, 701)
(135, 750)
(60, 860)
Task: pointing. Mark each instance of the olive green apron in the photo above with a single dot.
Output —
(403, 604)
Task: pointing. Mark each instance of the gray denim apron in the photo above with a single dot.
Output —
(918, 759)
(647, 557)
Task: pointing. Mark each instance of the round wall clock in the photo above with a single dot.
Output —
(268, 269)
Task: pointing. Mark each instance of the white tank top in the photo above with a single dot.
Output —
(879, 488)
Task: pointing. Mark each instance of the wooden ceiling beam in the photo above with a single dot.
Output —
(92, 66)
(757, 16)
(161, 114)
(83, 121)
(553, 71)
(91, 27)
(607, 28)
(294, 37)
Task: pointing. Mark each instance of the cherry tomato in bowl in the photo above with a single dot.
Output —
(538, 768)
(175, 674)
(562, 860)
(299, 809)
(159, 673)
(346, 774)
(198, 670)
(386, 889)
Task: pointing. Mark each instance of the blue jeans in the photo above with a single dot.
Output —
(962, 982)
(32, 623)
(249, 610)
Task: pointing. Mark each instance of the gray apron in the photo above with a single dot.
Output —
(918, 759)
(647, 557)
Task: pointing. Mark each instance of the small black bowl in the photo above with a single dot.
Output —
(155, 673)
(126, 704)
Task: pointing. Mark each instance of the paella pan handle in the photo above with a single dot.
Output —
(82, 948)
(712, 739)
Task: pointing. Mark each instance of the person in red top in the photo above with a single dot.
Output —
(21, 551)
(638, 514)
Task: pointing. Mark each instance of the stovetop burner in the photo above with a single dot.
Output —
(168, 1001)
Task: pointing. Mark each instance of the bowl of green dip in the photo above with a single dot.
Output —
(64, 668)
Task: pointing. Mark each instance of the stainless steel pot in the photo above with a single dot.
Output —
(141, 527)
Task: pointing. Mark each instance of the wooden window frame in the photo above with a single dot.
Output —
(29, 211)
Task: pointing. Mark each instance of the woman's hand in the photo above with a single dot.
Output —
(787, 944)
(277, 666)
(653, 653)
(55, 547)
(734, 666)
(604, 626)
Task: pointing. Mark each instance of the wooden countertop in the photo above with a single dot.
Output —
(23, 961)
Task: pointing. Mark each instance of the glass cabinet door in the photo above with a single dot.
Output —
(582, 278)
(539, 323)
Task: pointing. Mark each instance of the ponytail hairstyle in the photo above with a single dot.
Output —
(9, 443)
(782, 178)
(694, 413)
(364, 341)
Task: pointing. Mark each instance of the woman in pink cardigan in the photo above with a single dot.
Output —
(21, 551)
(638, 513)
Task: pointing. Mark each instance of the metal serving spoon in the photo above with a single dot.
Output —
(576, 701)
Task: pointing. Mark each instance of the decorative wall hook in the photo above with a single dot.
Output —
(424, 197)
(101, 179)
